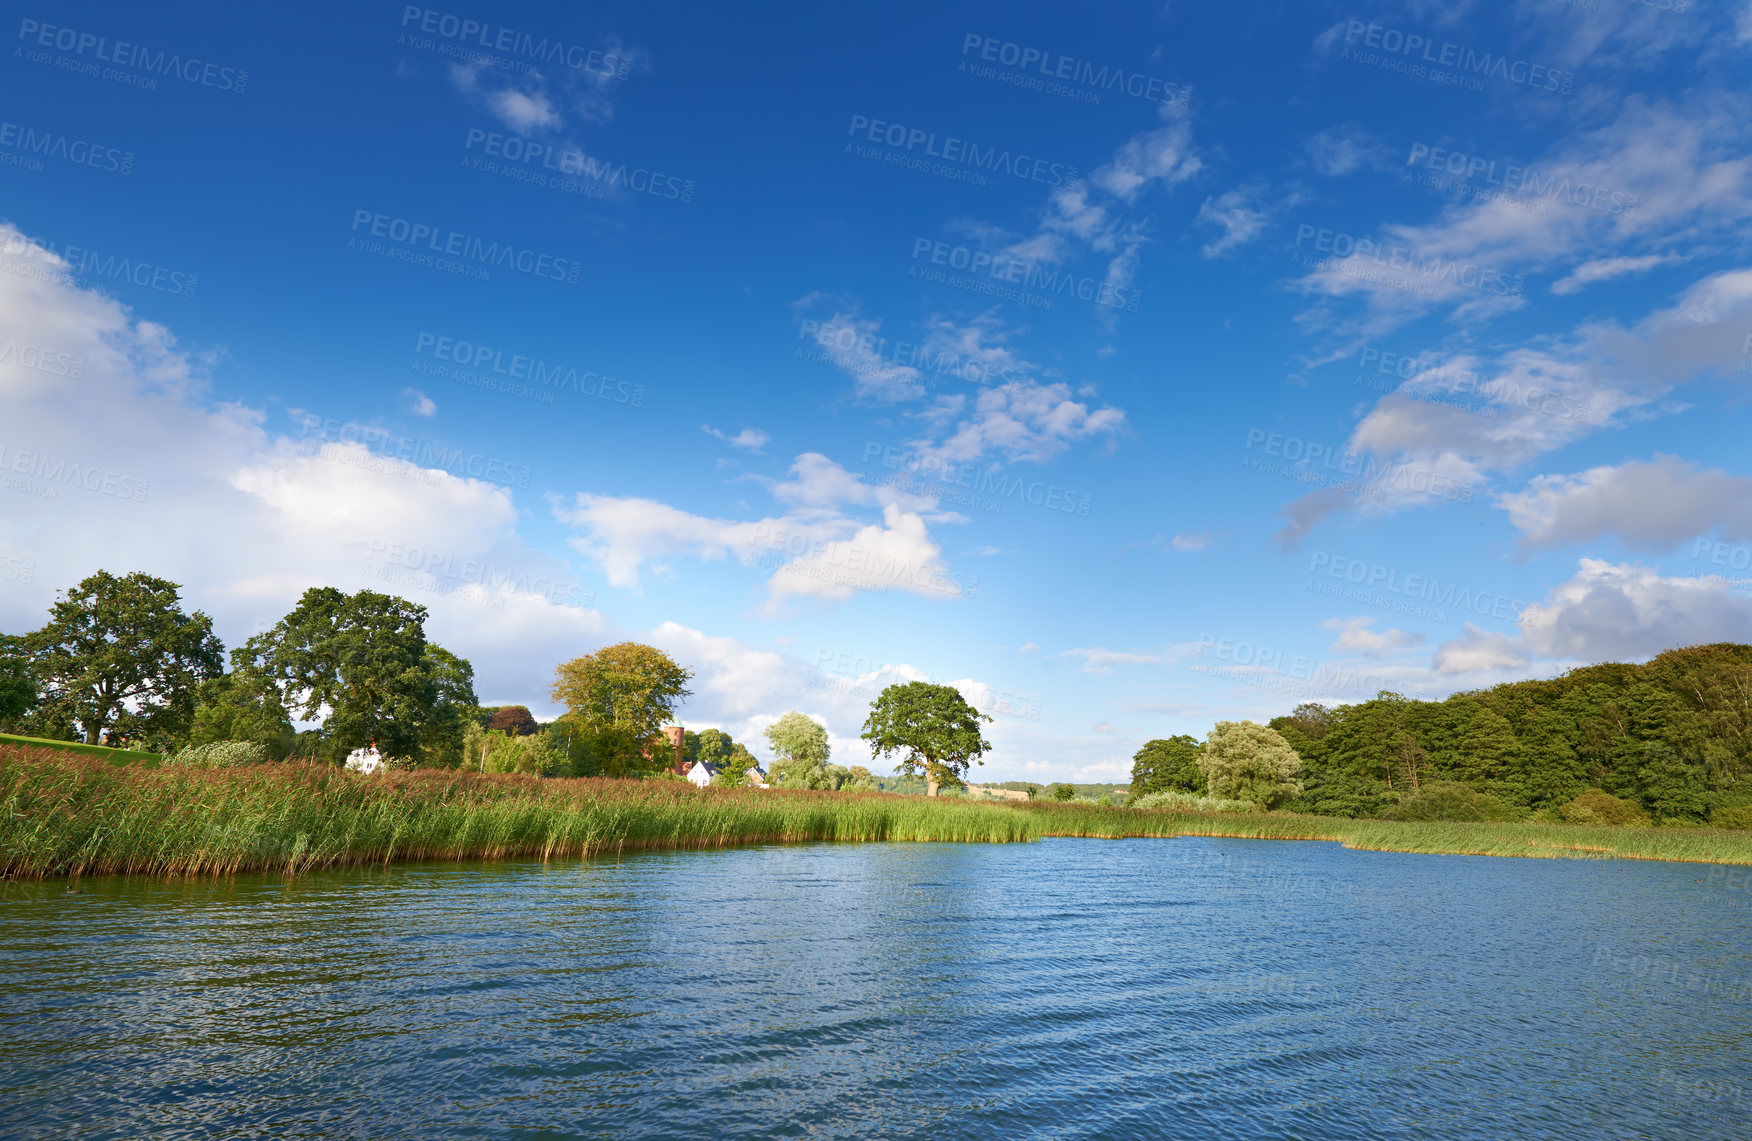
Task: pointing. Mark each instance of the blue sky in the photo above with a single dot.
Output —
(1129, 370)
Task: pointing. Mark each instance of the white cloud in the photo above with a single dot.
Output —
(1610, 612)
(419, 403)
(1100, 661)
(753, 439)
(1242, 214)
(1187, 541)
(1478, 651)
(1652, 506)
(520, 102)
(1604, 269)
(1539, 398)
(816, 549)
(244, 518)
(1345, 149)
(1679, 171)
(1356, 634)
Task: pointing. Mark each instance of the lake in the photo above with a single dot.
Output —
(1184, 988)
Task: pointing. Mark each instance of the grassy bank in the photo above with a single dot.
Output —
(65, 814)
(114, 756)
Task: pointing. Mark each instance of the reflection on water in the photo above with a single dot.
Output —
(1150, 988)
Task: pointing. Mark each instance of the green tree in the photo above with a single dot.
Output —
(624, 692)
(733, 769)
(1670, 787)
(858, 779)
(364, 659)
(1246, 761)
(120, 652)
(1062, 792)
(932, 726)
(18, 693)
(242, 706)
(800, 752)
(1167, 765)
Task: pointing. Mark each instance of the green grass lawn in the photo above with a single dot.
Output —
(114, 756)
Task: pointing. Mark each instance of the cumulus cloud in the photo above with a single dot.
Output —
(1610, 612)
(816, 548)
(1648, 506)
(244, 517)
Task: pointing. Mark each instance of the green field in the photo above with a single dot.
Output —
(114, 756)
(68, 814)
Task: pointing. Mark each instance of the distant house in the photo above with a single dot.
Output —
(699, 772)
(367, 760)
(757, 779)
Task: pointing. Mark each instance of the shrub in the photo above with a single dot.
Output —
(219, 755)
(1449, 800)
(1188, 802)
(1738, 816)
(1104, 801)
(1597, 806)
(1063, 792)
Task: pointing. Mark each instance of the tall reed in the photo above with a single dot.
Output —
(64, 814)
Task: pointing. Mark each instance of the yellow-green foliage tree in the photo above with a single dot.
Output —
(618, 699)
(1243, 760)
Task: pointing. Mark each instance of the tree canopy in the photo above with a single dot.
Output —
(1167, 764)
(800, 752)
(1243, 760)
(931, 726)
(628, 687)
(118, 652)
(361, 664)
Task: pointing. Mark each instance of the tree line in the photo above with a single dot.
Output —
(120, 662)
(1668, 740)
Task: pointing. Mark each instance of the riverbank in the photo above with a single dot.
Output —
(66, 815)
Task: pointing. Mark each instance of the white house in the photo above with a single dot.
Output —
(367, 760)
(700, 773)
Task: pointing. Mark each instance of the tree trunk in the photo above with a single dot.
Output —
(94, 735)
(930, 786)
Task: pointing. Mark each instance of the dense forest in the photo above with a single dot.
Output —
(1667, 741)
(1673, 735)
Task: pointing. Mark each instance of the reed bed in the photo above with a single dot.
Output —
(66, 814)
(71, 815)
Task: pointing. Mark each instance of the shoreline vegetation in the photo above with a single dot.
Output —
(73, 815)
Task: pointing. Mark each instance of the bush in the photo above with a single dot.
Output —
(219, 755)
(1597, 806)
(1449, 800)
(1189, 802)
(1738, 816)
(1245, 761)
(1063, 792)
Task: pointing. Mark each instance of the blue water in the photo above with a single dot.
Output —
(1071, 988)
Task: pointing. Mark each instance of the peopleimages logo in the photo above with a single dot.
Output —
(451, 244)
(517, 367)
(1404, 260)
(1053, 66)
(1523, 181)
(962, 152)
(120, 53)
(1411, 45)
(1029, 275)
(478, 33)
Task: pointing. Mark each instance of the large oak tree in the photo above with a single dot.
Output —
(933, 728)
(118, 652)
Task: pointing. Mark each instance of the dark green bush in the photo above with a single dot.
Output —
(1449, 800)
